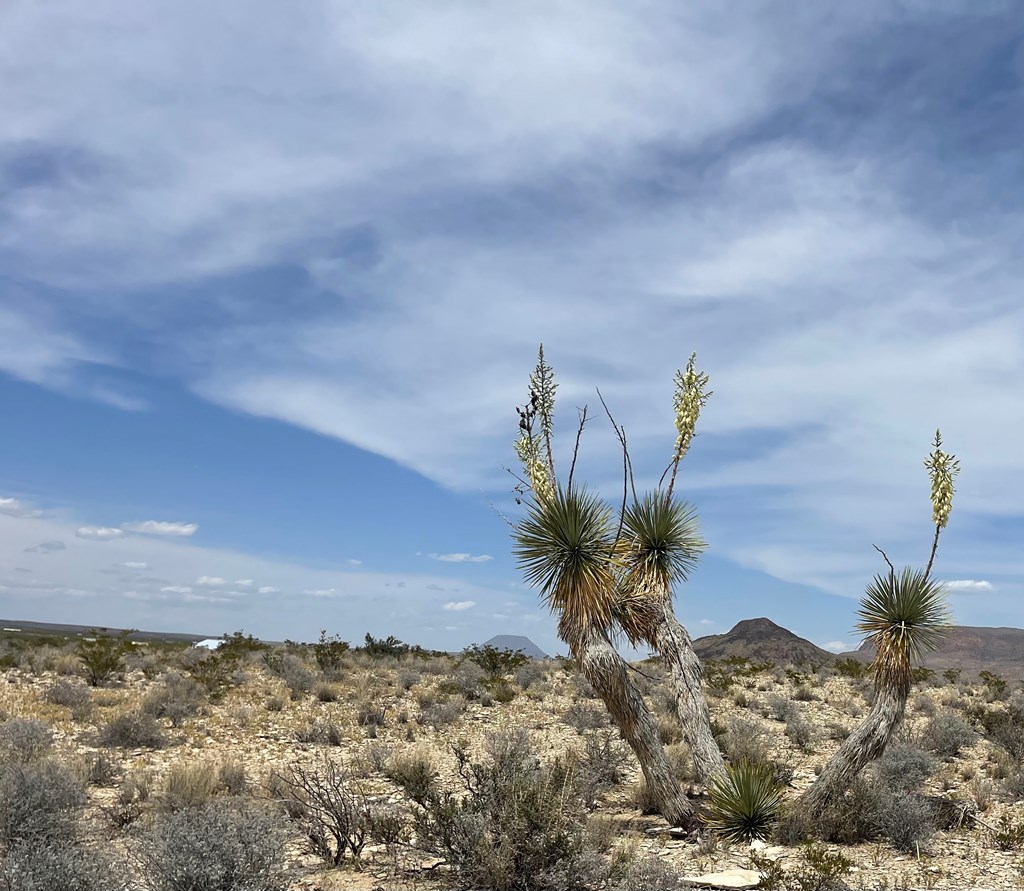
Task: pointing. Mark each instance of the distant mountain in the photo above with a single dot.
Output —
(516, 642)
(761, 640)
(971, 649)
(19, 626)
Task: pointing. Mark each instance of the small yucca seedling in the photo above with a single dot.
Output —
(744, 802)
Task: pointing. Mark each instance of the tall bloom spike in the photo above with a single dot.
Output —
(943, 469)
(690, 397)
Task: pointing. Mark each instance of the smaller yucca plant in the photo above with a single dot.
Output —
(744, 802)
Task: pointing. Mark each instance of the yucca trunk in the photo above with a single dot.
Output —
(673, 642)
(608, 674)
(861, 747)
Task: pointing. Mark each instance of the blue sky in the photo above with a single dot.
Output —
(272, 279)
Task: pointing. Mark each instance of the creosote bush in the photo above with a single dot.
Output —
(516, 824)
(103, 656)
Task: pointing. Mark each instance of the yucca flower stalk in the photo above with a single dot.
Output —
(691, 395)
(943, 468)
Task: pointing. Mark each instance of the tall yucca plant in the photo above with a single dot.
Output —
(903, 615)
(569, 549)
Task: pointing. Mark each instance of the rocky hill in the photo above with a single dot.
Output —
(761, 640)
(516, 642)
(972, 649)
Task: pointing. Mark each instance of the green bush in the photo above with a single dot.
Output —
(103, 656)
(744, 802)
(516, 824)
(330, 652)
(495, 663)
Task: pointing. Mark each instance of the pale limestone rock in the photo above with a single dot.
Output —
(739, 879)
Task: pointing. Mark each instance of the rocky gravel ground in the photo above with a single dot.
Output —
(259, 723)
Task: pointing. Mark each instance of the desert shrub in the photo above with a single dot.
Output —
(502, 691)
(227, 844)
(800, 732)
(837, 731)
(66, 865)
(408, 678)
(643, 874)
(131, 797)
(744, 740)
(290, 669)
(995, 685)
(101, 770)
(1009, 833)
(518, 825)
(803, 693)
(325, 692)
(132, 730)
(275, 703)
(819, 869)
(177, 698)
(1013, 785)
(531, 673)
(946, 734)
(780, 708)
(925, 705)
(189, 784)
(851, 668)
(25, 739)
(982, 792)
(369, 713)
(39, 802)
(870, 810)
(442, 714)
(494, 662)
(69, 694)
(744, 802)
(1006, 729)
(467, 680)
(602, 762)
(740, 699)
(328, 807)
(330, 652)
(415, 772)
(582, 716)
(322, 733)
(903, 767)
(103, 656)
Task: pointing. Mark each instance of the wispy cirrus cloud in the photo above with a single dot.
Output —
(98, 533)
(461, 558)
(969, 586)
(161, 527)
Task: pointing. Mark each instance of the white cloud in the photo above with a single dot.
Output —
(160, 527)
(244, 583)
(838, 646)
(353, 562)
(12, 507)
(705, 622)
(269, 589)
(210, 581)
(458, 606)
(969, 585)
(136, 564)
(461, 558)
(46, 547)
(177, 589)
(98, 533)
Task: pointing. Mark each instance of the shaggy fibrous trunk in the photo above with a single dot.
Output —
(674, 644)
(608, 674)
(861, 747)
